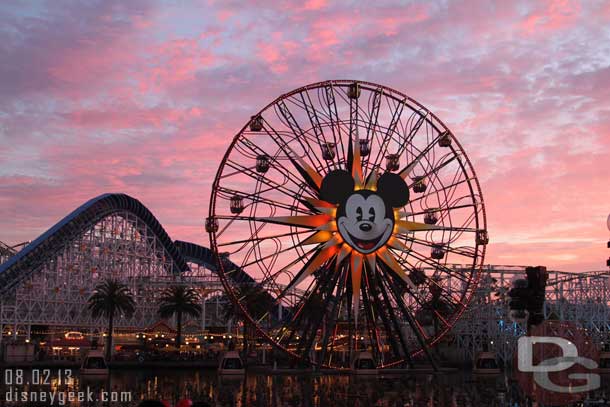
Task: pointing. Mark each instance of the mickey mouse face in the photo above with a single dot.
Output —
(365, 218)
(363, 224)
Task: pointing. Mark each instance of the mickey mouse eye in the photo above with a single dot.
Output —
(359, 214)
(372, 214)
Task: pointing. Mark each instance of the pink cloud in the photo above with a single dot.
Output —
(314, 4)
(116, 118)
(415, 13)
(144, 99)
(178, 61)
(551, 15)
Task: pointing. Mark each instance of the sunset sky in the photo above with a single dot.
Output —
(144, 97)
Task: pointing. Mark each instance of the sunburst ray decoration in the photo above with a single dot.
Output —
(335, 245)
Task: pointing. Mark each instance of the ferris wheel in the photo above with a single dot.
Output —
(360, 217)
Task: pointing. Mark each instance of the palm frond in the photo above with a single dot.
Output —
(111, 297)
(181, 299)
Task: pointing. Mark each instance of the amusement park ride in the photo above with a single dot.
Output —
(351, 206)
(348, 200)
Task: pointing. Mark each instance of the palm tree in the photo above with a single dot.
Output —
(179, 300)
(111, 299)
(313, 308)
(255, 300)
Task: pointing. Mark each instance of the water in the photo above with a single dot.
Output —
(450, 390)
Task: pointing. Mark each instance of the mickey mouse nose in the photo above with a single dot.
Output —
(365, 227)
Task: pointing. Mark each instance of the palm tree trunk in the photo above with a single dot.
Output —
(109, 337)
(178, 328)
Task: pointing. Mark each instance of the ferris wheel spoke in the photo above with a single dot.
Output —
(253, 238)
(308, 209)
(291, 122)
(389, 133)
(433, 265)
(460, 251)
(375, 289)
(405, 228)
(258, 178)
(463, 251)
(331, 318)
(373, 120)
(420, 302)
(298, 307)
(444, 193)
(312, 331)
(297, 326)
(361, 117)
(447, 294)
(318, 222)
(353, 128)
(412, 290)
(415, 327)
(311, 177)
(281, 270)
(260, 198)
(312, 114)
(334, 117)
(438, 210)
(258, 151)
(437, 191)
(468, 221)
(299, 318)
(442, 319)
(321, 116)
(403, 144)
(452, 301)
(321, 256)
(385, 318)
(315, 316)
(437, 314)
(405, 172)
(393, 318)
(371, 320)
(269, 256)
(436, 169)
(421, 119)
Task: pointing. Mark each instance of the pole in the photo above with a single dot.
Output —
(203, 314)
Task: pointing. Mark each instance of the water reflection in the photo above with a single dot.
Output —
(206, 386)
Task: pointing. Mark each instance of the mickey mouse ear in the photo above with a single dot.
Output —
(393, 189)
(336, 186)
